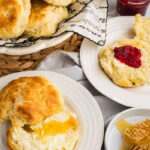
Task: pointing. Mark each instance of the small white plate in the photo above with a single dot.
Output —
(118, 27)
(113, 139)
(77, 99)
(39, 45)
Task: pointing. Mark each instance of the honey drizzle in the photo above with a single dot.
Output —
(55, 127)
(122, 125)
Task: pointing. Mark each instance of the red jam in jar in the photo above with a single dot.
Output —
(132, 7)
(128, 55)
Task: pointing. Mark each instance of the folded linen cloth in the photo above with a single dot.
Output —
(68, 63)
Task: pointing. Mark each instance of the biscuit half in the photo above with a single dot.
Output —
(142, 28)
(14, 16)
(60, 2)
(29, 100)
(23, 139)
(44, 19)
(120, 73)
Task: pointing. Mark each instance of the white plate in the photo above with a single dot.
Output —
(118, 27)
(39, 45)
(78, 100)
(113, 138)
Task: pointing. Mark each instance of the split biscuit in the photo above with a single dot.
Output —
(29, 100)
(142, 28)
(58, 132)
(120, 73)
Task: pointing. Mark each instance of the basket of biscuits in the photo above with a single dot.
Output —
(27, 26)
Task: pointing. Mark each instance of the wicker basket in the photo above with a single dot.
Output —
(10, 64)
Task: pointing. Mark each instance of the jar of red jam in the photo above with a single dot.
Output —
(132, 7)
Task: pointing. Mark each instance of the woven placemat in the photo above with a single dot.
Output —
(10, 64)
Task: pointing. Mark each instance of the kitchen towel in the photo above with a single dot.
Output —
(68, 63)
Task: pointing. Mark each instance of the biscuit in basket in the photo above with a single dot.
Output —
(59, 132)
(14, 15)
(45, 18)
(142, 28)
(121, 73)
(60, 2)
(29, 100)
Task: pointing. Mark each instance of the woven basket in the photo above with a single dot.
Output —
(10, 64)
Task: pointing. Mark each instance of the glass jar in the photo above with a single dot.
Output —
(132, 7)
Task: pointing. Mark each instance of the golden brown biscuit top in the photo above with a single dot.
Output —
(40, 8)
(38, 5)
(9, 11)
(60, 2)
(29, 100)
(141, 28)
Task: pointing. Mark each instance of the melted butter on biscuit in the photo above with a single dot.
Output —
(55, 127)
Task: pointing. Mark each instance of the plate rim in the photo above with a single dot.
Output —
(115, 118)
(92, 81)
(92, 99)
(36, 47)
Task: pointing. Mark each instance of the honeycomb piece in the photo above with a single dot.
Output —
(138, 133)
(142, 147)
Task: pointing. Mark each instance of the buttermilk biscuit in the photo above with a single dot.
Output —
(44, 19)
(28, 100)
(14, 15)
(142, 28)
(120, 73)
(59, 132)
(60, 2)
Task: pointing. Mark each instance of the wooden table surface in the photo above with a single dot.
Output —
(10, 64)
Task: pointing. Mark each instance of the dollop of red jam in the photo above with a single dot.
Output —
(128, 55)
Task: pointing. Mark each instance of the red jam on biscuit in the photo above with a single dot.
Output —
(128, 55)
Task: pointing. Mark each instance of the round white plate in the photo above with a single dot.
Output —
(39, 45)
(113, 138)
(77, 99)
(118, 27)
